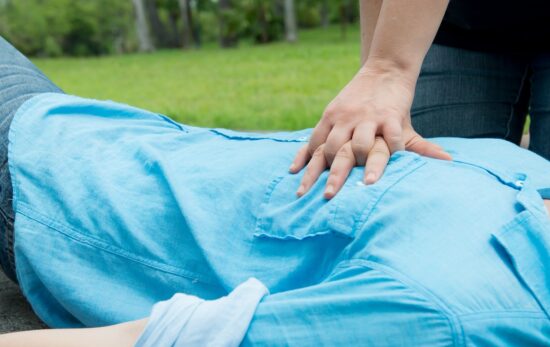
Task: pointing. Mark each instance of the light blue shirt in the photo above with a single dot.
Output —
(118, 208)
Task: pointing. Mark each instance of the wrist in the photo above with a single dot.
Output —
(392, 70)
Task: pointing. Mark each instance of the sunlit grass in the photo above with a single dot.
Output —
(275, 86)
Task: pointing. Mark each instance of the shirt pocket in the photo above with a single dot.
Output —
(284, 216)
(526, 240)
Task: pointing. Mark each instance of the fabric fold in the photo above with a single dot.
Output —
(186, 320)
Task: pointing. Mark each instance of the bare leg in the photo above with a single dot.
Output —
(120, 335)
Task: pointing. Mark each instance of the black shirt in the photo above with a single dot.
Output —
(521, 26)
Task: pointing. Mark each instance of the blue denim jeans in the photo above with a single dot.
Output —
(19, 81)
(473, 94)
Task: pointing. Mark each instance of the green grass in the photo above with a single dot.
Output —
(275, 86)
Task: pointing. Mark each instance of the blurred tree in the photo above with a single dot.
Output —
(325, 13)
(309, 13)
(348, 14)
(263, 20)
(93, 27)
(229, 24)
(56, 27)
(187, 37)
(169, 15)
(190, 35)
(158, 31)
(142, 27)
(290, 21)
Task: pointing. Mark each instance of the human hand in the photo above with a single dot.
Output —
(342, 164)
(375, 103)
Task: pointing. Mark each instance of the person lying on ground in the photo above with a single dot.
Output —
(115, 209)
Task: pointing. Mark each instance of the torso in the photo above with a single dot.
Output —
(501, 26)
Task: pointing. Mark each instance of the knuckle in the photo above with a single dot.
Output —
(380, 150)
(318, 152)
(360, 148)
(346, 153)
(330, 153)
(392, 131)
(330, 114)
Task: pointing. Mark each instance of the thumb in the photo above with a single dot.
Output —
(416, 143)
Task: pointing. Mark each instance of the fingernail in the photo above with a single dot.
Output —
(371, 177)
(329, 190)
(300, 190)
(292, 167)
(446, 155)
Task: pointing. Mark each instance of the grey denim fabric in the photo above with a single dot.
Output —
(19, 81)
(464, 93)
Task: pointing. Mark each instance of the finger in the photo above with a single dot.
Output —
(335, 140)
(343, 162)
(300, 160)
(319, 135)
(362, 141)
(377, 160)
(392, 132)
(315, 167)
(418, 144)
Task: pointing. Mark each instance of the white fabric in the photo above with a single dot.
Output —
(186, 320)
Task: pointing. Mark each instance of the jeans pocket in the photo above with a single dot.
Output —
(284, 216)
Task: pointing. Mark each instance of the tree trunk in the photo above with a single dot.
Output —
(263, 36)
(142, 27)
(187, 34)
(158, 31)
(325, 13)
(195, 27)
(290, 21)
(174, 32)
(343, 19)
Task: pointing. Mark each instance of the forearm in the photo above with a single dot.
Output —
(403, 33)
(369, 10)
(121, 335)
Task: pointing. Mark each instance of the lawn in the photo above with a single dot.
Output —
(275, 86)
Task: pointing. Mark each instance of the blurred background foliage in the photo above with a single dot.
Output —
(286, 59)
(98, 27)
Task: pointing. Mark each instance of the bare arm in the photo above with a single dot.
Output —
(396, 35)
(404, 32)
(121, 335)
(370, 10)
